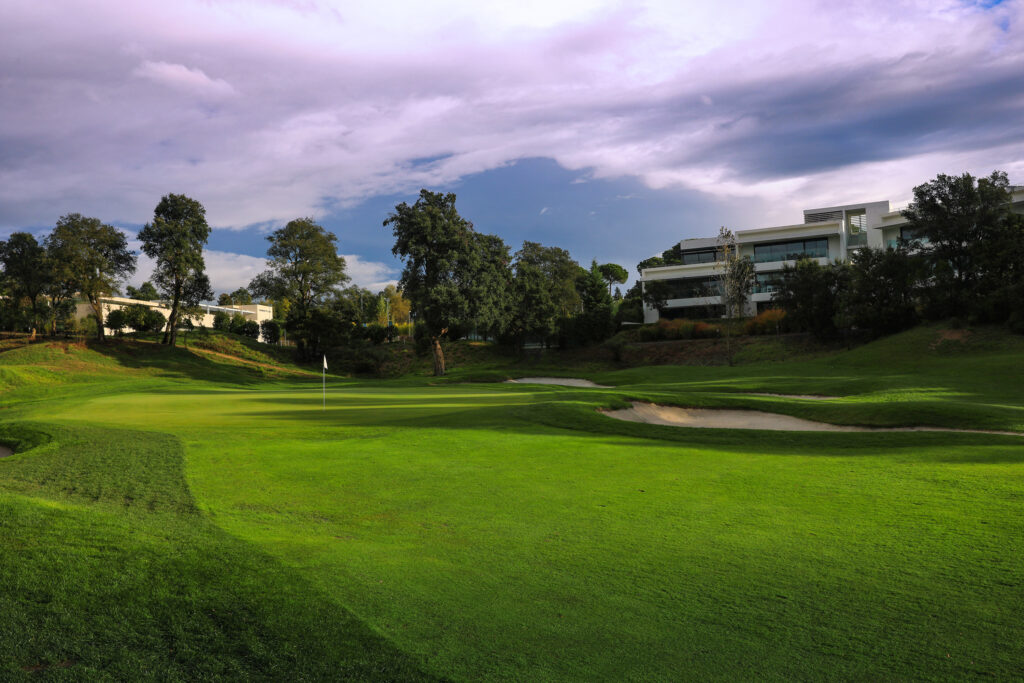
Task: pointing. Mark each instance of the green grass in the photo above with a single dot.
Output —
(167, 515)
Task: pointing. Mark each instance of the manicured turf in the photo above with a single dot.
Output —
(175, 517)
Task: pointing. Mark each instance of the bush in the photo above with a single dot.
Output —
(771, 321)
(237, 324)
(116, 321)
(153, 320)
(376, 334)
(678, 329)
(421, 339)
(271, 331)
(251, 329)
(221, 321)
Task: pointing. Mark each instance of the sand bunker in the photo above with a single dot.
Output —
(806, 397)
(5, 451)
(674, 416)
(560, 381)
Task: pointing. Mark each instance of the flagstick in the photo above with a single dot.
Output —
(324, 371)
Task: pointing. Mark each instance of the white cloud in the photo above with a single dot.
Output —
(543, 211)
(181, 77)
(372, 275)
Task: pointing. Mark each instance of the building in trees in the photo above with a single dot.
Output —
(681, 282)
(257, 313)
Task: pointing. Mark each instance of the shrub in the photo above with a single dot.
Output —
(251, 329)
(770, 321)
(153, 320)
(376, 334)
(271, 331)
(237, 324)
(221, 321)
(116, 321)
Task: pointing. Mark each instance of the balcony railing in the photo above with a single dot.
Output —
(857, 239)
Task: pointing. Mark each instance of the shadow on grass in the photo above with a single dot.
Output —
(580, 417)
(181, 363)
(125, 579)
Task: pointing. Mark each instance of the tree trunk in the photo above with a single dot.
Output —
(97, 312)
(172, 320)
(438, 356)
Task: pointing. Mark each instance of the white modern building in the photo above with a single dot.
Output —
(255, 312)
(826, 234)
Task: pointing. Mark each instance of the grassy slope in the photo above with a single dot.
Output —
(502, 531)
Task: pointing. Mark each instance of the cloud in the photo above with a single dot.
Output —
(372, 275)
(271, 110)
(183, 78)
(543, 211)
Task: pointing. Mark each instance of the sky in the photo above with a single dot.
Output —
(613, 129)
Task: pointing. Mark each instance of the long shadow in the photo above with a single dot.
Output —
(192, 601)
(181, 363)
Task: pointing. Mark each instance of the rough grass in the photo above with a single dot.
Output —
(230, 528)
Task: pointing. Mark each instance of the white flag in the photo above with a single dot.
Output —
(325, 361)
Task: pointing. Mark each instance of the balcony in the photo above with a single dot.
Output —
(857, 239)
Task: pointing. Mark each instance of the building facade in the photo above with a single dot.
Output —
(255, 312)
(826, 234)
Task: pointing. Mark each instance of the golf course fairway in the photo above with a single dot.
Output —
(177, 517)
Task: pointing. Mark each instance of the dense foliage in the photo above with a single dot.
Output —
(175, 240)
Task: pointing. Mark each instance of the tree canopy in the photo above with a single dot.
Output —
(145, 292)
(175, 240)
(28, 273)
(303, 268)
(435, 243)
(94, 258)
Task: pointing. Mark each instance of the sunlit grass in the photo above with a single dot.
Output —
(496, 531)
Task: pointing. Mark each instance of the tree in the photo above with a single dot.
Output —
(613, 274)
(435, 242)
(536, 312)
(224, 300)
(594, 322)
(811, 295)
(397, 306)
(241, 297)
(175, 240)
(955, 221)
(145, 292)
(560, 271)
(94, 259)
(28, 273)
(488, 279)
(734, 273)
(304, 268)
(880, 293)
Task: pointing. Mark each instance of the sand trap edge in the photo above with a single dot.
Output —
(714, 418)
(559, 381)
